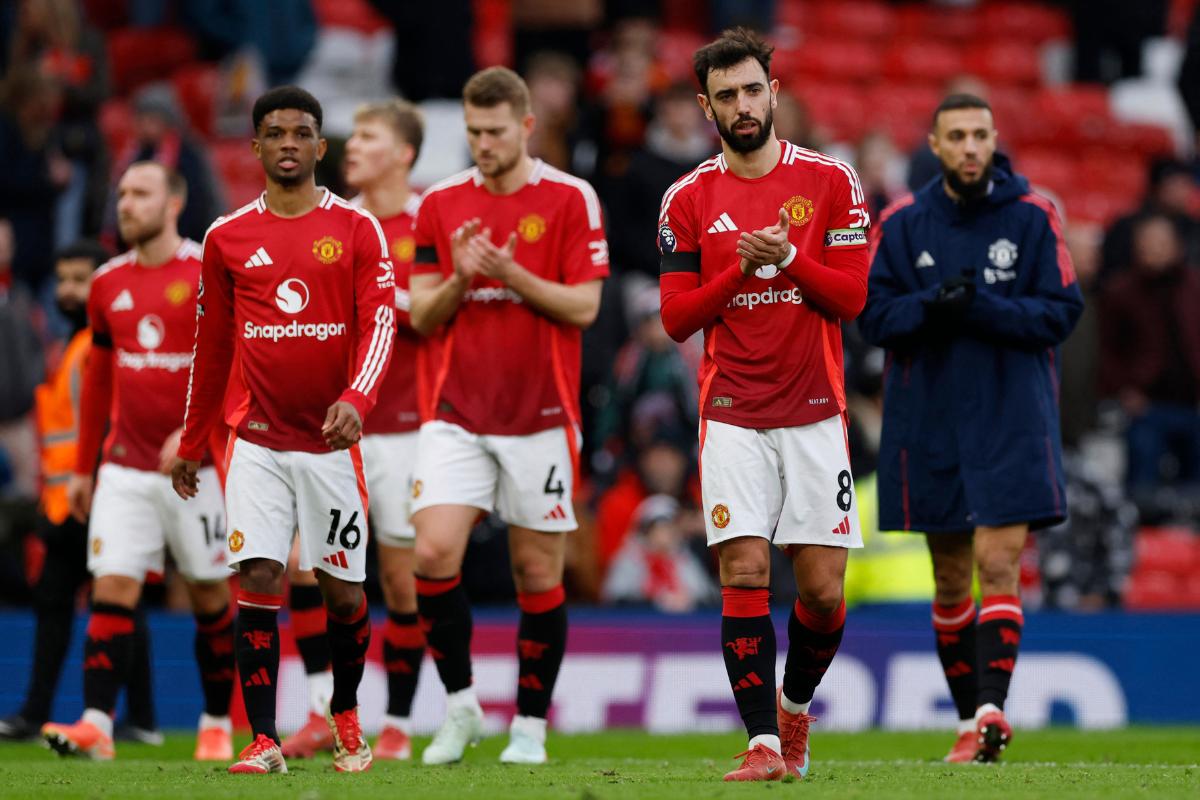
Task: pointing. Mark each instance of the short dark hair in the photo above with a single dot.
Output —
(731, 48)
(176, 183)
(955, 102)
(286, 97)
(90, 249)
(490, 87)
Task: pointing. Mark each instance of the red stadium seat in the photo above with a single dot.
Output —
(1152, 591)
(903, 110)
(925, 22)
(142, 55)
(1101, 207)
(1024, 21)
(839, 108)
(240, 171)
(1072, 117)
(1005, 63)
(1047, 168)
(1112, 170)
(356, 14)
(674, 52)
(839, 60)
(116, 124)
(196, 85)
(1165, 549)
(923, 60)
(1148, 140)
(853, 19)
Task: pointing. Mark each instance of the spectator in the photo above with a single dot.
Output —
(1171, 191)
(880, 170)
(1150, 356)
(553, 80)
(21, 370)
(655, 565)
(160, 135)
(1078, 399)
(34, 173)
(794, 122)
(281, 31)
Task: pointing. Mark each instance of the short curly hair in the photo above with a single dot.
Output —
(286, 97)
(731, 48)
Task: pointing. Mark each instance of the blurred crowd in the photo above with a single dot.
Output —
(89, 87)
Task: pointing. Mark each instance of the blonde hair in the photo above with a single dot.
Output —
(404, 118)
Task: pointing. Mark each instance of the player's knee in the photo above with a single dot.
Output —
(434, 558)
(209, 598)
(999, 573)
(261, 575)
(536, 574)
(822, 600)
(344, 604)
(952, 579)
(745, 571)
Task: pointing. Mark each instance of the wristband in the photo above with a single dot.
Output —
(782, 265)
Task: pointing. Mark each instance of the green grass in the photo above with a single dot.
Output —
(1136, 762)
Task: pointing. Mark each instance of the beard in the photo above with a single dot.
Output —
(135, 235)
(75, 314)
(970, 192)
(501, 167)
(743, 144)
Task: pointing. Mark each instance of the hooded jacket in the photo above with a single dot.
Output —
(980, 399)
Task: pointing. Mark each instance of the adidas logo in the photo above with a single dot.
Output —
(723, 224)
(924, 260)
(124, 302)
(259, 678)
(337, 559)
(259, 259)
(556, 513)
(843, 526)
(748, 682)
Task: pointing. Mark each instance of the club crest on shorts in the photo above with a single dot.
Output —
(236, 541)
(720, 515)
(417, 488)
(799, 210)
(531, 228)
(327, 249)
(97, 546)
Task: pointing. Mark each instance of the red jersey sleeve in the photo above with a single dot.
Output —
(375, 313)
(212, 354)
(585, 254)
(95, 397)
(425, 238)
(686, 305)
(838, 282)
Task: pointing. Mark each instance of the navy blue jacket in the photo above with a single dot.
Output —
(970, 417)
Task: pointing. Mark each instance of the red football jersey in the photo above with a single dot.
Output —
(310, 303)
(502, 367)
(771, 360)
(398, 408)
(149, 316)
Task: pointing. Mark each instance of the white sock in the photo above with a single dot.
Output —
(793, 708)
(966, 726)
(224, 723)
(101, 720)
(533, 727)
(463, 698)
(768, 739)
(986, 708)
(320, 690)
(403, 724)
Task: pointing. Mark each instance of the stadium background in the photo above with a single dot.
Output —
(1097, 102)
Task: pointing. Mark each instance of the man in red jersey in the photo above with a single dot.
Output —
(299, 282)
(764, 248)
(135, 381)
(510, 259)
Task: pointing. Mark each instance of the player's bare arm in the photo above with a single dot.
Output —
(575, 304)
(343, 426)
(435, 299)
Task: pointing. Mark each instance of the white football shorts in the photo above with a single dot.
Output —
(322, 497)
(787, 485)
(388, 459)
(136, 517)
(527, 480)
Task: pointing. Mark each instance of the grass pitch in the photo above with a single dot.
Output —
(1135, 762)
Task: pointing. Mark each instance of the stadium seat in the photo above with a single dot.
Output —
(1006, 62)
(922, 60)
(1023, 22)
(240, 171)
(115, 120)
(854, 19)
(196, 86)
(356, 14)
(903, 110)
(839, 108)
(839, 60)
(924, 22)
(1100, 207)
(1148, 140)
(142, 55)
(1112, 170)
(1047, 168)
(1165, 549)
(1155, 591)
(674, 52)
(1072, 117)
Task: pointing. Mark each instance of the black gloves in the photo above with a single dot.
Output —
(950, 304)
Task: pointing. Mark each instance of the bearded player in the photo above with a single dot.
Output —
(764, 249)
(301, 282)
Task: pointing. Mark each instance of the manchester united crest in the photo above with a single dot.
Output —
(531, 228)
(799, 210)
(403, 249)
(178, 292)
(327, 249)
(236, 541)
(97, 546)
(417, 488)
(720, 515)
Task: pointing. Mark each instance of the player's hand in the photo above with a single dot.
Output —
(766, 245)
(185, 477)
(170, 449)
(79, 496)
(466, 259)
(343, 426)
(497, 262)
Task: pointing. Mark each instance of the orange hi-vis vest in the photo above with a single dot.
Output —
(57, 412)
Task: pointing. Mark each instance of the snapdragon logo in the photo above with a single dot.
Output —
(294, 330)
(171, 362)
(767, 297)
(292, 296)
(491, 294)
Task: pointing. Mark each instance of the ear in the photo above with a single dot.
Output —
(702, 99)
(409, 154)
(256, 147)
(933, 143)
(774, 92)
(322, 146)
(528, 123)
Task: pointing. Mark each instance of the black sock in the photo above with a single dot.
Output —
(214, 656)
(139, 688)
(541, 644)
(349, 638)
(748, 643)
(257, 649)
(813, 641)
(107, 654)
(307, 618)
(999, 638)
(445, 614)
(954, 627)
(403, 651)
